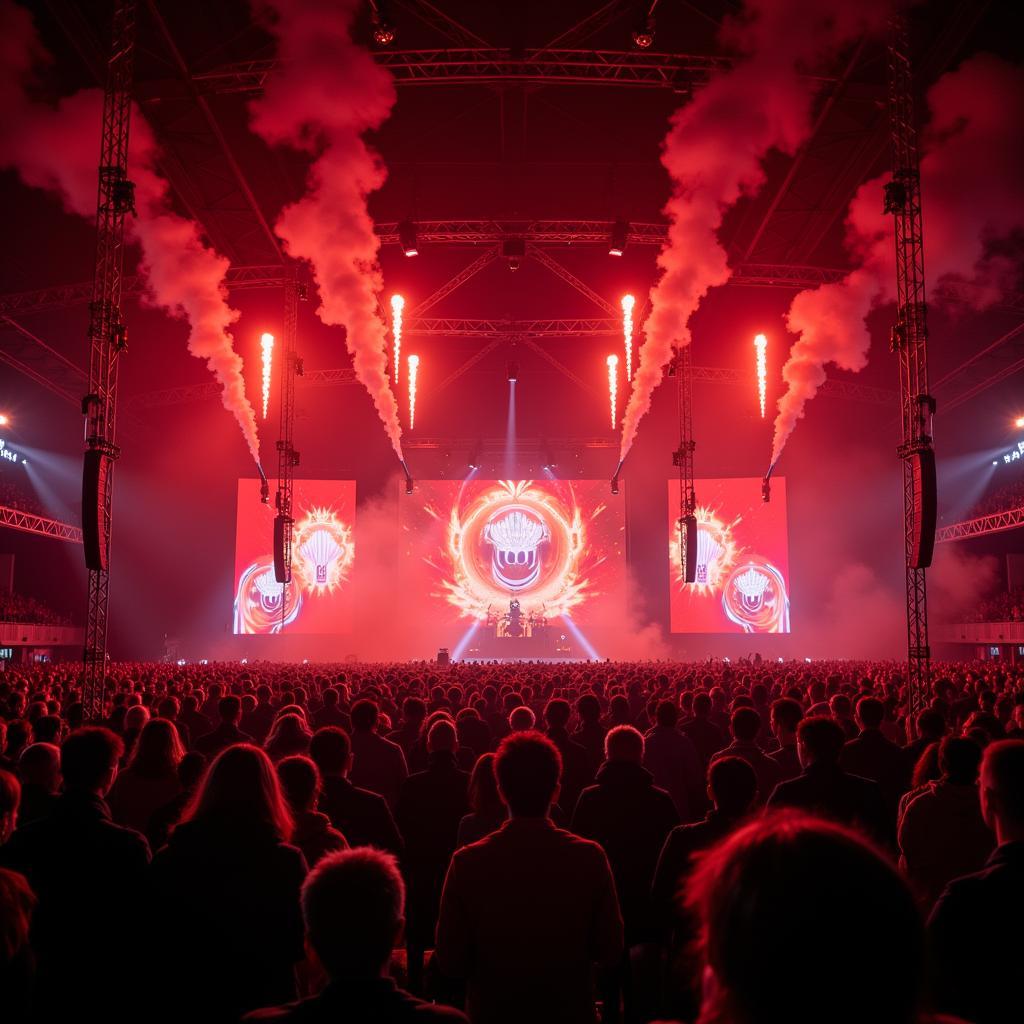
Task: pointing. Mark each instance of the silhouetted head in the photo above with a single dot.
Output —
(331, 750)
(353, 904)
(242, 787)
(845, 942)
(819, 741)
(89, 759)
(732, 786)
(624, 743)
(528, 767)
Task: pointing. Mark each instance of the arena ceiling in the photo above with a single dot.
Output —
(533, 115)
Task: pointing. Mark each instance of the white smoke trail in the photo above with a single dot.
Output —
(714, 151)
(327, 92)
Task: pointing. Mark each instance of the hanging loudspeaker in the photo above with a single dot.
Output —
(282, 572)
(95, 481)
(925, 508)
(690, 542)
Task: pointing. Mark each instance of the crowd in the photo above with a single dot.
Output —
(719, 843)
(1006, 606)
(14, 494)
(22, 608)
(999, 499)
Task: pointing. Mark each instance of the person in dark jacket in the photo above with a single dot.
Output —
(227, 930)
(527, 911)
(630, 817)
(352, 905)
(487, 812)
(87, 874)
(786, 714)
(872, 756)
(976, 940)
(377, 764)
(824, 789)
(39, 774)
(362, 817)
(314, 834)
(672, 758)
(732, 789)
(745, 725)
(430, 806)
(227, 732)
(576, 770)
(706, 736)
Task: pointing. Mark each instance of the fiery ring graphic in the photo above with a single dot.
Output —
(516, 539)
(754, 597)
(258, 600)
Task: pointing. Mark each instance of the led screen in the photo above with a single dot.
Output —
(319, 598)
(552, 550)
(742, 576)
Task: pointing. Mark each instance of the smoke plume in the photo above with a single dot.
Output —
(56, 147)
(714, 151)
(973, 208)
(327, 92)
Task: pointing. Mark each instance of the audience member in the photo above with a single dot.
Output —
(976, 940)
(151, 778)
(361, 816)
(527, 911)
(377, 764)
(824, 788)
(224, 905)
(313, 833)
(672, 759)
(487, 812)
(226, 733)
(87, 875)
(942, 834)
(802, 921)
(352, 906)
(430, 806)
(39, 774)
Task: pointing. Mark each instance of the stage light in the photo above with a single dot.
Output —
(397, 305)
(613, 384)
(619, 238)
(407, 238)
(761, 345)
(627, 332)
(414, 366)
(1018, 422)
(5, 420)
(267, 345)
(513, 373)
(383, 30)
(643, 30)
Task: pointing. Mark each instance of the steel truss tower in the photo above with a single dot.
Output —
(682, 458)
(107, 338)
(910, 344)
(287, 457)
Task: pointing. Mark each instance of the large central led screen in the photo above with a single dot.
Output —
(319, 598)
(742, 576)
(554, 550)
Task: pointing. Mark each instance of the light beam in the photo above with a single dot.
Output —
(627, 332)
(613, 385)
(397, 305)
(267, 345)
(414, 367)
(761, 344)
